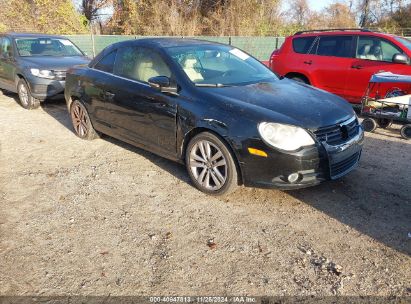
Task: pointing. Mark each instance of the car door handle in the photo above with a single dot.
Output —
(358, 67)
(309, 62)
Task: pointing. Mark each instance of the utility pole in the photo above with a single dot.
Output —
(92, 38)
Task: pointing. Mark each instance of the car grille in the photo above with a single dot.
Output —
(342, 167)
(339, 133)
(61, 75)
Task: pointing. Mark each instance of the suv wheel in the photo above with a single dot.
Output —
(299, 79)
(211, 165)
(26, 100)
(81, 121)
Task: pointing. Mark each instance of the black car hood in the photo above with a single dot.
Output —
(53, 63)
(292, 102)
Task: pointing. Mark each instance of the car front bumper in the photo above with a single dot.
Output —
(42, 88)
(312, 164)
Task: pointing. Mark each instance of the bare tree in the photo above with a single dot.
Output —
(299, 12)
(91, 8)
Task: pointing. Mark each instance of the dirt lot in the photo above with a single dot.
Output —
(103, 217)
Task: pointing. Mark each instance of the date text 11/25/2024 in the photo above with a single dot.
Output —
(202, 299)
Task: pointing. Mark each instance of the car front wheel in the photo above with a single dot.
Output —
(211, 165)
(26, 100)
(81, 121)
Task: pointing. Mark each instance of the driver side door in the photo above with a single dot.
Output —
(7, 65)
(140, 113)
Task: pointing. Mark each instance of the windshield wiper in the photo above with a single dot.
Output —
(212, 85)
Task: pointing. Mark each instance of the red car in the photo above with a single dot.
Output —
(341, 61)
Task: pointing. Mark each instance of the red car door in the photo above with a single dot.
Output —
(331, 63)
(373, 55)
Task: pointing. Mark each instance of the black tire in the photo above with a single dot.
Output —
(406, 132)
(217, 179)
(26, 100)
(384, 123)
(81, 121)
(299, 79)
(369, 124)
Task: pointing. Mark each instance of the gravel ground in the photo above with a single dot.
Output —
(103, 217)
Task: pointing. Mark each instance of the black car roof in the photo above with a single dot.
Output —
(152, 42)
(31, 35)
(164, 42)
(172, 42)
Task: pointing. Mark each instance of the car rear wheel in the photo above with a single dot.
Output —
(300, 79)
(369, 124)
(26, 100)
(211, 165)
(81, 121)
(406, 132)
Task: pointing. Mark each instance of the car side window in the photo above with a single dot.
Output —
(302, 45)
(140, 64)
(6, 50)
(336, 46)
(106, 64)
(377, 49)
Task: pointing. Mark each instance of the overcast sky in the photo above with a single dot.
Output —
(319, 4)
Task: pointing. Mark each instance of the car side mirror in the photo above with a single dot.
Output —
(400, 58)
(162, 84)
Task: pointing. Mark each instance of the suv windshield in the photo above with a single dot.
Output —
(57, 47)
(406, 42)
(215, 65)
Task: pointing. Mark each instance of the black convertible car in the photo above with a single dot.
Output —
(216, 109)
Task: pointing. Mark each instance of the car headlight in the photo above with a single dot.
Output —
(284, 137)
(43, 73)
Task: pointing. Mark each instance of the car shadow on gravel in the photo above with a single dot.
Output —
(176, 169)
(375, 199)
(57, 110)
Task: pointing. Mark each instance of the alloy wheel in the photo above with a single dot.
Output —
(79, 118)
(24, 95)
(208, 165)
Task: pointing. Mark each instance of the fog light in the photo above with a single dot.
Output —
(293, 177)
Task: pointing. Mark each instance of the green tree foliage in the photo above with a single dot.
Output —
(46, 16)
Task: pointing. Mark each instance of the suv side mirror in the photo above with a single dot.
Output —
(162, 84)
(400, 58)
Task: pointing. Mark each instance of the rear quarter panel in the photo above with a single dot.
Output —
(286, 61)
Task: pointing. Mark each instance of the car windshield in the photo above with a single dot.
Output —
(219, 65)
(406, 42)
(57, 47)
